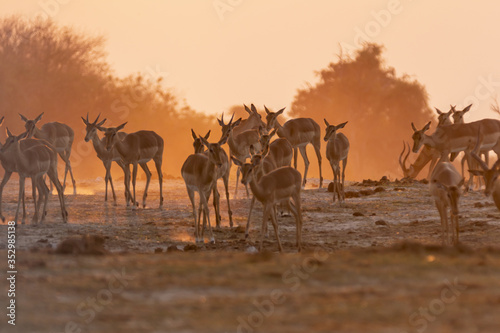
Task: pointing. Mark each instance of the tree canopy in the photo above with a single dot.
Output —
(378, 104)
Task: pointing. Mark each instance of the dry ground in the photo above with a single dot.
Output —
(372, 265)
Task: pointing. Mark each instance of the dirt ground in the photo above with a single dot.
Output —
(375, 264)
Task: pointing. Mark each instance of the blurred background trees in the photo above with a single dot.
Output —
(378, 104)
(57, 70)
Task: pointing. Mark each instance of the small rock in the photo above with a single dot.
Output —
(158, 250)
(191, 247)
(478, 205)
(172, 248)
(251, 249)
(43, 240)
(399, 189)
(379, 189)
(358, 214)
(380, 222)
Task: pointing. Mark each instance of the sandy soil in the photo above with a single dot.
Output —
(374, 264)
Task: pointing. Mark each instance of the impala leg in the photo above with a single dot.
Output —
(144, 167)
(267, 211)
(158, 163)
(295, 209)
(247, 229)
(204, 200)
(43, 190)
(66, 156)
(191, 198)
(36, 204)
(52, 173)
(5, 179)
(344, 163)
(306, 163)
(238, 170)
(275, 226)
(216, 203)
(24, 207)
(444, 221)
(317, 150)
(135, 204)
(20, 197)
(332, 164)
(226, 187)
(295, 157)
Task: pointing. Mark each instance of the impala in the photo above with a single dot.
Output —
(107, 157)
(426, 154)
(137, 148)
(444, 187)
(337, 150)
(299, 132)
(277, 186)
(199, 172)
(33, 159)
(222, 172)
(59, 135)
(459, 137)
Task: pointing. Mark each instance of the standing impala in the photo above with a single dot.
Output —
(444, 187)
(59, 135)
(107, 157)
(33, 159)
(277, 186)
(299, 132)
(459, 137)
(337, 150)
(137, 148)
(199, 172)
(222, 172)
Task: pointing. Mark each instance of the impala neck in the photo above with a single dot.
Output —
(98, 144)
(257, 190)
(423, 158)
(280, 131)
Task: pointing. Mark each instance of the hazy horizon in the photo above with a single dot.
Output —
(262, 52)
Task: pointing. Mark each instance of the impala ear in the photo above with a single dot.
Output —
(9, 134)
(204, 141)
(237, 122)
(341, 125)
(37, 119)
(267, 111)
(254, 109)
(439, 112)
(426, 127)
(84, 121)
(121, 126)
(467, 108)
(207, 135)
(194, 134)
(281, 111)
(23, 118)
(326, 122)
(236, 161)
(247, 109)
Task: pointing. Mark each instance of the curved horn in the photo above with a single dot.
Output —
(402, 163)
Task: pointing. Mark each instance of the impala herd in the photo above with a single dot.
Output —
(272, 179)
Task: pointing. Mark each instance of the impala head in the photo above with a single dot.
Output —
(12, 140)
(265, 137)
(418, 136)
(30, 125)
(197, 143)
(227, 128)
(214, 150)
(452, 195)
(406, 171)
(110, 135)
(331, 130)
(272, 118)
(490, 175)
(443, 117)
(247, 168)
(92, 128)
(458, 116)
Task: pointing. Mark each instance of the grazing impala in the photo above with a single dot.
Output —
(33, 158)
(137, 148)
(59, 135)
(275, 187)
(222, 172)
(299, 132)
(337, 150)
(107, 157)
(426, 154)
(444, 187)
(199, 172)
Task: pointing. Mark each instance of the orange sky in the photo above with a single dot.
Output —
(261, 51)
